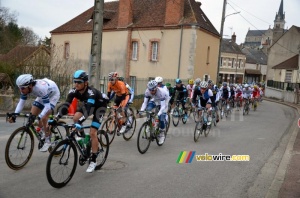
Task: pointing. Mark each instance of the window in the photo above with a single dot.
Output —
(229, 62)
(207, 57)
(205, 77)
(239, 63)
(134, 55)
(288, 75)
(232, 63)
(153, 50)
(67, 50)
(133, 82)
(221, 62)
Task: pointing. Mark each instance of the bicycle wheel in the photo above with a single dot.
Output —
(175, 116)
(207, 130)
(168, 120)
(184, 118)
(197, 131)
(110, 127)
(61, 168)
(196, 116)
(214, 118)
(254, 105)
(130, 129)
(144, 139)
(19, 148)
(103, 150)
(57, 135)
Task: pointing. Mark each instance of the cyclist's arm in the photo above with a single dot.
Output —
(211, 97)
(21, 103)
(47, 106)
(162, 107)
(144, 105)
(63, 110)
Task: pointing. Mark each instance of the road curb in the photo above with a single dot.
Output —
(279, 177)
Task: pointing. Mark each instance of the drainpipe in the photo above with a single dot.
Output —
(128, 58)
(180, 46)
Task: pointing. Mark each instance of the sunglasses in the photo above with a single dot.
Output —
(152, 90)
(22, 87)
(112, 79)
(78, 81)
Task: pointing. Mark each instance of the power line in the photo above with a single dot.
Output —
(262, 32)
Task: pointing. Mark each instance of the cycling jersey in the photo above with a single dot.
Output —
(205, 98)
(182, 91)
(47, 94)
(247, 93)
(225, 92)
(159, 98)
(94, 102)
(189, 88)
(255, 93)
(122, 93)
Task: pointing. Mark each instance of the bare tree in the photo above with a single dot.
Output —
(28, 36)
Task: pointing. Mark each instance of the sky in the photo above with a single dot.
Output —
(43, 16)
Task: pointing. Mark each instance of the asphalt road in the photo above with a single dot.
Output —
(127, 173)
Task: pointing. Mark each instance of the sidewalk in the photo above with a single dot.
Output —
(286, 182)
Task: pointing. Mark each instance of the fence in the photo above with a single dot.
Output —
(282, 85)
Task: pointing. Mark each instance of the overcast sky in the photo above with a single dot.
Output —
(42, 16)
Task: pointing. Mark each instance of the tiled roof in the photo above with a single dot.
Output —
(20, 53)
(291, 63)
(255, 56)
(230, 47)
(255, 32)
(146, 14)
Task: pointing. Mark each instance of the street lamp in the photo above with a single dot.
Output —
(221, 34)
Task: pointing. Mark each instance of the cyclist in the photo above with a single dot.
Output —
(247, 92)
(206, 98)
(171, 94)
(47, 94)
(216, 96)
(122, 96)
(232, 92)
(190, 87)
(130, 91)
(255, 94)
(160, 84)
(94, 103)
(238, 95)
(197, 84)
(225, 93)
(182, 94)
(153, 96)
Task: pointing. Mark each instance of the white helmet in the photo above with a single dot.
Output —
(152, 84)
(204, 84)
(197, 81)
(246, 85)
(24, 80)
(159, 79)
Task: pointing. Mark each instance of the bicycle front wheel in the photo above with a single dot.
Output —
(19, 148)
(168, 120)
(110, 127)
(144, 139)
(197, 131)
(131, 125)
(175, 116)
(57, 135)
(103, 150)
(61, 168)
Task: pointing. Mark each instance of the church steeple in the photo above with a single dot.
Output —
(279, 21)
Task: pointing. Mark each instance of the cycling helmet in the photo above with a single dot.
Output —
(203, 84)
(168, 84)
(178, 81)
(224, 84)
(112, 75)
(80, 74)
(231, 85)
(210, 82)
(197, 81)
(255, 86)
(121, 79)
(246, 85)
(24, 80)
(152, 84)
(191, 81)
(159, 79)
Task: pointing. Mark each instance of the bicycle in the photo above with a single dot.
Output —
(148, 132)
(224, 109)
(255, 104)
(178, 113)
(112, 124)
(16, 153)
(58, 171)
(246, 106)
(202, 125)
(238, 103)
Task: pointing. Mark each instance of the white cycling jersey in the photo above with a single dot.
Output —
(160, 98)
(47, 94)
(247, 93)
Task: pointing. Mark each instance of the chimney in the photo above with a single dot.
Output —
(233, 38)
(174, 11)
(125, 13)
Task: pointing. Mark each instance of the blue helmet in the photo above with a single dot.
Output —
(178, 81)
(80, 74)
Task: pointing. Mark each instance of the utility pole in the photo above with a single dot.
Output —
(221, 36)
(96, 47)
